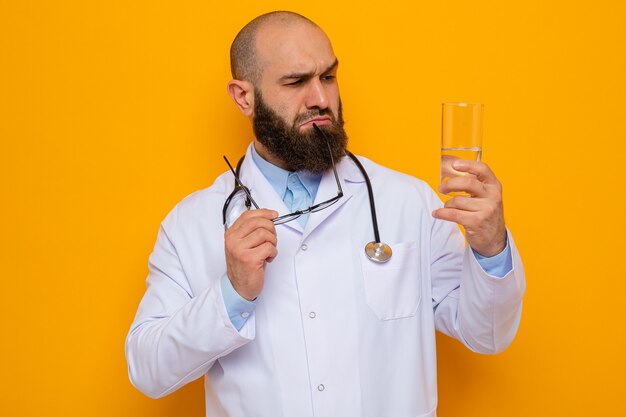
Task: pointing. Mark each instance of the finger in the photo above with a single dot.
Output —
(259, 255)
(257, 238)
(466, 183)
(446, 166)
(485, 216)
(466, 203)
(247, 227)
(242, 254)
(238, 247)
(268, 251)
(461, 217)
(479, 169)
(250, 220)
(258, 213)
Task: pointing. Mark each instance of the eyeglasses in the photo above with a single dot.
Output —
(249, 201)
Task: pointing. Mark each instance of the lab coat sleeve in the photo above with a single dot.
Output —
(480, 310)
(177, 335)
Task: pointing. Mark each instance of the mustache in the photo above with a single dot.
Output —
(312, 114)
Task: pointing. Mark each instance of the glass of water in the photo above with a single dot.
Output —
(461, 137)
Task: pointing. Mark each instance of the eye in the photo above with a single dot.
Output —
(296, 82)
(328, 77)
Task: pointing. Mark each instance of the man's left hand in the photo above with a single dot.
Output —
(481, 213)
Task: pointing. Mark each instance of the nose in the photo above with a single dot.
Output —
(317, 96)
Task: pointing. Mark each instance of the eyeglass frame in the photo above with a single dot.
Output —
(286, 217)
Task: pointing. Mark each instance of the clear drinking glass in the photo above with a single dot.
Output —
(461, 137)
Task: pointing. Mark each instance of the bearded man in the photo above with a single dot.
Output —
(284, 313)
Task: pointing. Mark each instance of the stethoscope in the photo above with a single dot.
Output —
(376, 250)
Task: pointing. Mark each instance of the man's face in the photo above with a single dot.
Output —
(298, 73)
(298, 87)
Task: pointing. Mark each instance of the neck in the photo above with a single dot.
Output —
(265, 154)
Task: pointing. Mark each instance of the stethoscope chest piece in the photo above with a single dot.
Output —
(378, 251)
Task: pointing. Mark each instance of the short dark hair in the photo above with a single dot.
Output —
(244, 62)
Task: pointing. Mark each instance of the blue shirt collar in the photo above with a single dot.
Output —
(277, 176)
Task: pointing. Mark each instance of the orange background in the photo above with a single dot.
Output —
(111, 112)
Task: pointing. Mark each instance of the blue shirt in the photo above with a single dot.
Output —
(298, 191)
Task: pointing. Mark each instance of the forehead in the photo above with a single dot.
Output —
(293, 48)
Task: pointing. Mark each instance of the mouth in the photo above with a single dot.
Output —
(320, 121)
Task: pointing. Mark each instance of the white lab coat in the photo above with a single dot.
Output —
(333, 333)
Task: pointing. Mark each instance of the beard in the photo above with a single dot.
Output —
(299, 151)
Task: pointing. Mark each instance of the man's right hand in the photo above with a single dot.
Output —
(249, 243)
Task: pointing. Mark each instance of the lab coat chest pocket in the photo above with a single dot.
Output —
(392, 289)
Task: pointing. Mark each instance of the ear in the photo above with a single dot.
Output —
(242, 93)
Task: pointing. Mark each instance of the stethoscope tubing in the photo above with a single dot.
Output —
(370, 193)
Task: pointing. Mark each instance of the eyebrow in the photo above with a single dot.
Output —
(307, 75)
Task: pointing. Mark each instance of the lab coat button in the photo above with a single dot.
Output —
(320, 387)
(312, 314)
(304, 247)
(245, 314)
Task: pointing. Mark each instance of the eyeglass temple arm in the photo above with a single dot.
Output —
(332, 160)
(243, 187)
